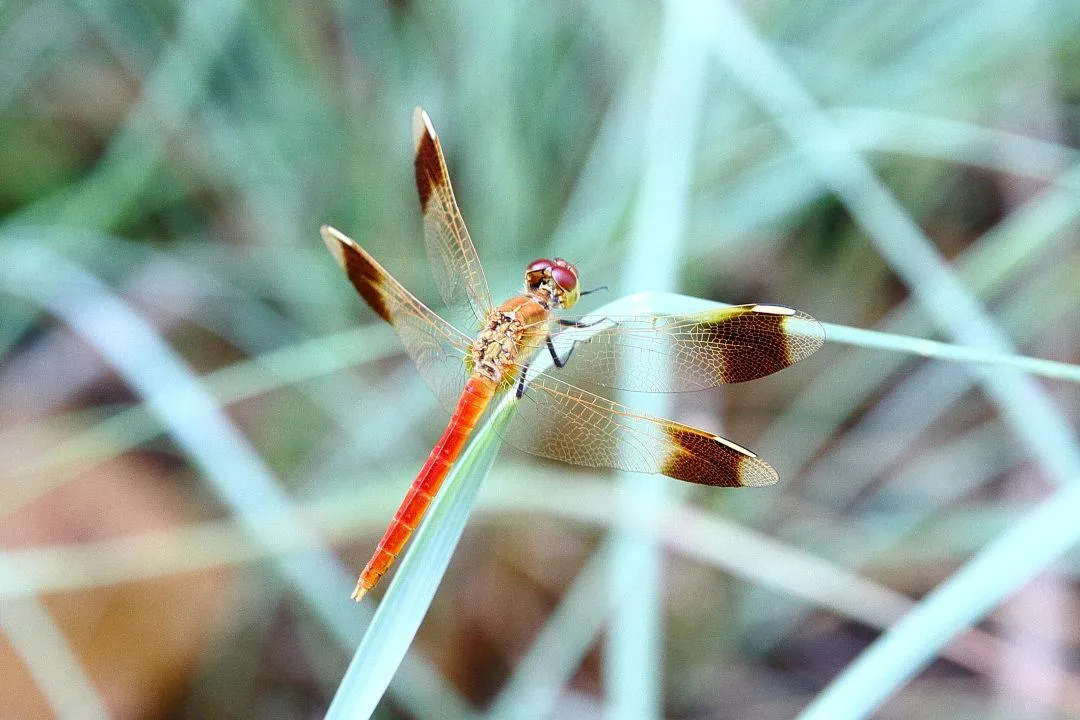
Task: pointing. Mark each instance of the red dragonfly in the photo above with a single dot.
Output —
(553, 418)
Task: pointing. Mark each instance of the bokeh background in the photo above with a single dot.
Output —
(186, 377)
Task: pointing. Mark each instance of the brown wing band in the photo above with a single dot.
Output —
(366, 275)
(757, 329)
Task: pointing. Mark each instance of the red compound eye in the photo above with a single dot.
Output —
(565, 276)
(538, 265)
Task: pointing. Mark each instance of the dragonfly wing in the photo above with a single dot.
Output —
(672, 353)
(557, 420)
(454, 261)
(437, 347)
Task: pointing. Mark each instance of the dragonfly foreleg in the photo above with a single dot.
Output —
(578, 324)
(561, 362)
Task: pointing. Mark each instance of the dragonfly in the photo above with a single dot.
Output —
(486, 351)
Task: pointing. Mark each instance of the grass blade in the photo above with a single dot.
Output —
(1005, 565)
(418, 575)
(40, 644)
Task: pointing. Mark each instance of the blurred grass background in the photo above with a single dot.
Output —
(204, 431)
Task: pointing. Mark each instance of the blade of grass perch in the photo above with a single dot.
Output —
(419, 572)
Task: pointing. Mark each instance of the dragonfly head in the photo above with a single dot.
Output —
(556, 279)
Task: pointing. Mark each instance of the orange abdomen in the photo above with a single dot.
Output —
(474, 400)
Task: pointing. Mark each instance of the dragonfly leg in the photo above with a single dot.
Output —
(561, 362)
(521, 380)
(578, 324)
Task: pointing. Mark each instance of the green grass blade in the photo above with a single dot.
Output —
(1005, 565)
(31, 633)
(417, 576)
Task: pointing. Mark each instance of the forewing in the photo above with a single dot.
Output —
(437, 348)
(673, 353)
(557, 420)
(454, 261)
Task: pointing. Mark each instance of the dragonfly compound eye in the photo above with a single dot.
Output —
(538, 265)
(565, 276)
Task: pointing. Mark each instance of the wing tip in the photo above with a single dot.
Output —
(764, 338)
(773, 309)
(421, 126)
(706, 459)
(331, 233)
(750, 470)
(791, 319)
(366, 275)
(805, 335)
(762, 474)
(335, 240)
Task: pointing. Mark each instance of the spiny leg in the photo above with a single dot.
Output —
(521, 381)
(561, 362)
(566, 322)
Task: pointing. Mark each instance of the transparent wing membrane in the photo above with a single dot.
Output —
(454, 262)
(557, 420)
(674, 353)
(437, 348)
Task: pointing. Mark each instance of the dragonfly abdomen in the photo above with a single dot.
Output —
(474, 400)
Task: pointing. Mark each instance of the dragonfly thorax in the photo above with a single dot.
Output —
(496, 348)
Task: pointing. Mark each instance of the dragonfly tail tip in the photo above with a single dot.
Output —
(359, 592)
